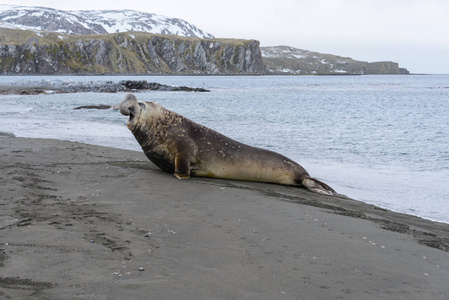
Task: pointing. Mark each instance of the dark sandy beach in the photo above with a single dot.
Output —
(86, 222)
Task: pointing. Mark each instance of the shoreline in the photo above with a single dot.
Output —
(379, 206)
(207, 75)
(85, 221)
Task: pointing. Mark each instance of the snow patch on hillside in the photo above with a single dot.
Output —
(94, 21)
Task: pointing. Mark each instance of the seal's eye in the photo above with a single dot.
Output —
(142, 106)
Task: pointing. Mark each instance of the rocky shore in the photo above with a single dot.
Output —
(58, 86)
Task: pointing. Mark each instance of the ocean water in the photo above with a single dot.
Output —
(379, 139)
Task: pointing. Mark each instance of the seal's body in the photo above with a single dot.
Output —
(182, 147)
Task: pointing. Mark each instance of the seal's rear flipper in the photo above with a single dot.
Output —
(182, 167)
(317, 186)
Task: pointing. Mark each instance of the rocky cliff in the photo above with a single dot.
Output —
(28, 52)
(288, 60)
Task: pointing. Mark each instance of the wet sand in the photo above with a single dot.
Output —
(86, 222)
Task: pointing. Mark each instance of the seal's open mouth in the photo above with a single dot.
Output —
(131, 114)
(131, 117)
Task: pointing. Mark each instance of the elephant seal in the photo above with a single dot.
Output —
(180, 146)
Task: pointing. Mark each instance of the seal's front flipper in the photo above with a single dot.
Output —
(317, 186)
(182, 167)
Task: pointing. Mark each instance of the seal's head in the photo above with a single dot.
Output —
(133, 108)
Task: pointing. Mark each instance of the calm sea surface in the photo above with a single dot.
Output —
(380, 139)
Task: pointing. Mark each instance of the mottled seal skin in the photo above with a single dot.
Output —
(180, 146)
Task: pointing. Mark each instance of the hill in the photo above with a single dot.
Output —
(94, 21)
(288, 60)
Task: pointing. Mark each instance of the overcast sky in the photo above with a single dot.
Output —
(414, 33)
